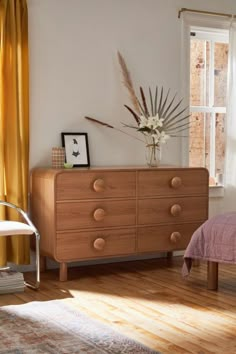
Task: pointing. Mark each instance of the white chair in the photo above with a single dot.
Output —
(9, 228)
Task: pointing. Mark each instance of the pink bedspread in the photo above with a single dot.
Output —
(215, 240)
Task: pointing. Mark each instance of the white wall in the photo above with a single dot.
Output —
(74, 70)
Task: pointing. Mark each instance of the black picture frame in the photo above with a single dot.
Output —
(76, 149)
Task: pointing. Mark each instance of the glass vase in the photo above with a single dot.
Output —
(153, 155)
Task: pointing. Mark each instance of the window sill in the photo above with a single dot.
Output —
(216, 191)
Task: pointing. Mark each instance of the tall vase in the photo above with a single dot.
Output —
(153, 155)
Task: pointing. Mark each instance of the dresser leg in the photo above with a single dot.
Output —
(63, 271)
(43, 263)
(212, 275)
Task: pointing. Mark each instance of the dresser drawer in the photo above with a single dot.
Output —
(82, 245)
(165, 237)
(172, 182)
(92, 185)
(74, 215)
(172, 210)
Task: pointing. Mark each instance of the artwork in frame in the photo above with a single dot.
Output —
(76, 149)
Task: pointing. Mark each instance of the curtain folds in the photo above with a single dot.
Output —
(14, 122)
(230, 161)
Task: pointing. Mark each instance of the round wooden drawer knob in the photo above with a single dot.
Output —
(99, 185)
(176, 182)
(175, 210)
(99, 244)
(99, 214)
(175, 237)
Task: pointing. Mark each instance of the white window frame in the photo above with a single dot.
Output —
(212, 36)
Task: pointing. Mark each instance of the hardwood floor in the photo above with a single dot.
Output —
(150, 302)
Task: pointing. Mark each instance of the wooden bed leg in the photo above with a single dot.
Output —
(63, 271)
(212, 275)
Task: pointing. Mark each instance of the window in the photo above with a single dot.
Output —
(208, 85)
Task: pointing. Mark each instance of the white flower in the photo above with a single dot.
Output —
(164, 137)
(151, 122)
(160, 137)
(152, 127)
(155, 122)
(143, 122)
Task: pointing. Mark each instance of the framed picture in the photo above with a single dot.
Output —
(76, 148)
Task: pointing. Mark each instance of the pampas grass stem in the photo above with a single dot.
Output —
(112, 127)
(128, 83)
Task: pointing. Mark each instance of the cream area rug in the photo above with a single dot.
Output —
(56, 327)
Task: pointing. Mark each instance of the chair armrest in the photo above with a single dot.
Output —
(21, 212)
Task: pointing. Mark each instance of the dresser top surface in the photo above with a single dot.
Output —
(56, 171)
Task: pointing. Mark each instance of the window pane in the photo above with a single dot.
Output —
(220, 143)
(208, 89)
(197, 141)
(220, 74)
(199, 72)
(208, 122)
(200, 140)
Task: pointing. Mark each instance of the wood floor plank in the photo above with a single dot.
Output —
(165, 318)
(149, 301)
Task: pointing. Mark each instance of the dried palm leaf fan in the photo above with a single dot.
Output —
(174, 121)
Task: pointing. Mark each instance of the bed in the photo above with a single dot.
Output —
(215, 242)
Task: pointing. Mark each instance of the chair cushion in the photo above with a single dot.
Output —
(8, 228)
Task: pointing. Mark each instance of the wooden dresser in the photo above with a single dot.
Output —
(95, 213)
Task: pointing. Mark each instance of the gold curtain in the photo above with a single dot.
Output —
(14, 122)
